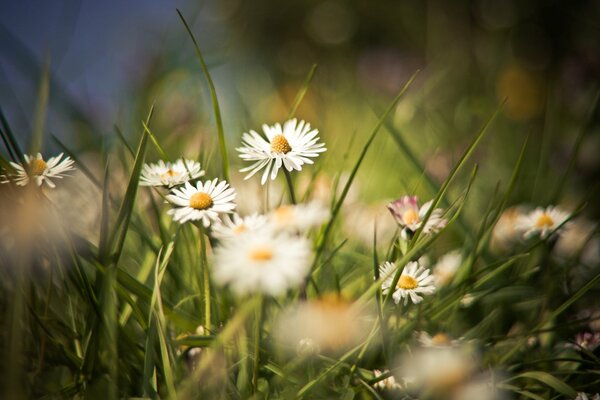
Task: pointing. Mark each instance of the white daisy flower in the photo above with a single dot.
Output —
(40, 171)
(299, 217)
(170, 174)
(330, 324)
(388, 383)
(541, 221)
(446, 267)
(440, 339)
(263, 261)
(235, 225)
(410, 216)
(413, 281)
(204, 202)
(290, 146)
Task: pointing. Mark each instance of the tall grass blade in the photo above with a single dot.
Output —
(215, 102)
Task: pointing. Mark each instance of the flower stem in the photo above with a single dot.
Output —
(205, 281)
(257, 333)
(288, 179)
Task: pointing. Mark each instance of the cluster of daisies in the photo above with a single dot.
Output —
(272, 249)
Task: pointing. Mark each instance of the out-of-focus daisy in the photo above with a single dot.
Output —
(438, 369)
(414, 281)
(541, 221)
(388, 383)
(290, 146)
(505, 233)
(584, 396)
(586, 341)
(440, 339)
(446, 267)
(299, 217)
(204, 202)
(235, 225)
(410, 216)
(331, 323)
(38, 170)
(262, 262)
(170, 174)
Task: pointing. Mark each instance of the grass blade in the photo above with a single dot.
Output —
(215, 102)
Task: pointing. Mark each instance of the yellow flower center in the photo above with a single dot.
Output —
(284, 214)
(261, 254)
(239, 229)
(279, 144)
(201, 201)
(440, 339)
(410, 217)
(37, 166)
(407, 282)
(168, 174)
(544, 221)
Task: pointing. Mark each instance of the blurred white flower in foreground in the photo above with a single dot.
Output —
(438, 369)
(586, 341)
(170, 174)
(299, 217)
(446, 267)
(413, 281)
(330, 324)
(232, 226)
(440, 339)
(40, 171)
(541, 221)
(203, 202)
(410, 216)
(262, 262)
(290, 146)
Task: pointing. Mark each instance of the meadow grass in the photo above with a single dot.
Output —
(136, 308)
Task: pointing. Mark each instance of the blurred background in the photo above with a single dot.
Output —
(109, 61)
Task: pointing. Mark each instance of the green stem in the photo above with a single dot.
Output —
(257, 334)
(205, 281)
(288, 179)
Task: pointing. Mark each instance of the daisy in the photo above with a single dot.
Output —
(170, 174)
(388, 383)
(290, 146)
(410, 216)
(414, 280)
(299, 217)
(446, 267)
(541, 221)
(330, 324)
(235, 225)
(203, 202)
(262, 262)
(440, 339)
(40, 171)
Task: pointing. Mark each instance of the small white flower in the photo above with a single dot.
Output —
(262, 262)
(40, 171)
(541, 221)
(204, 202)
(446, 267)
(410, 216)
(440, 339)
(235, 225)
(388, 383)
(299, 217)
(413, 281)
(170, 174)
(439, 369)
(584, 396)
(290, 146)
